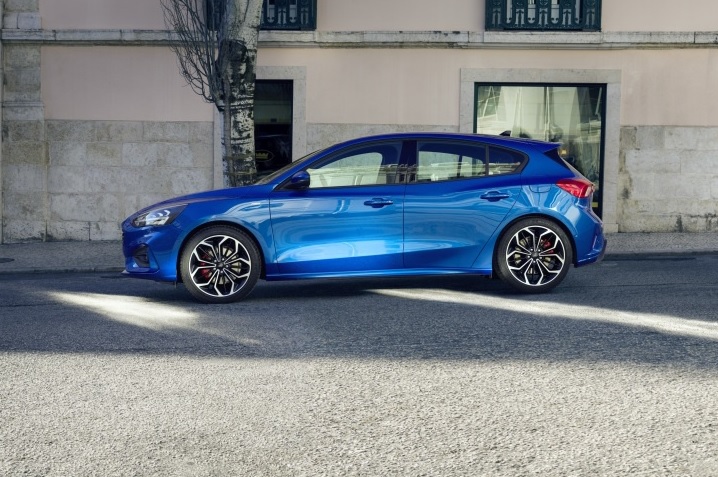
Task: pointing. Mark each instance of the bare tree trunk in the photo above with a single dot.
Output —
(228, 164)
(242, 49)
(216, 49)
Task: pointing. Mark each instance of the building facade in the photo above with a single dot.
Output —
(97, 122)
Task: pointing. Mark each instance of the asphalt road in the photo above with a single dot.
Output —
(614, 373)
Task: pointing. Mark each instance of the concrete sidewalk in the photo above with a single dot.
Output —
(107, 256)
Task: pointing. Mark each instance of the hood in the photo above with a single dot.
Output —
(248, 192)
(235, 193)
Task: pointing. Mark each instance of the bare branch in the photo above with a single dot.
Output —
(216, 51)
(196, 48)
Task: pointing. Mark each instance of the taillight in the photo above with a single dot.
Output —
(577, 187)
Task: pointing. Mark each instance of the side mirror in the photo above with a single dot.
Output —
(300, 180)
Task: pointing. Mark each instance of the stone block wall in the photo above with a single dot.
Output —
(668, 179)
(77, 180)
(21, 14)
(24, 153)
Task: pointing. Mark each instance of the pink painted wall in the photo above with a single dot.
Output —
(117, 83)
(388, 15)
(101, 14)
(376, 86)
(468, 15)
(659, 15)
(422, 86)
(333, 15)
(371, 86)
(403, 15)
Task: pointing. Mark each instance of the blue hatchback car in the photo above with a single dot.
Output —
(390, 205)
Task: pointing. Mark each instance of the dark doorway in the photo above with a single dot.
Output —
(273, 124)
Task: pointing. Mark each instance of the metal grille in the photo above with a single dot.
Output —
(543, 15)
(276, 14)
(289, 15)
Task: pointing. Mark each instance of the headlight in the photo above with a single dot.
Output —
(159, 216)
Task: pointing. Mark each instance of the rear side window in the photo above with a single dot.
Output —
(447, 161)
(450, 161)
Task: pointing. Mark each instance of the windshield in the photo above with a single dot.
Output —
(269, 178)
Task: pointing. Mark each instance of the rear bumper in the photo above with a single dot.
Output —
(598, 251)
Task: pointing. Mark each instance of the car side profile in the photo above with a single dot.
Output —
(389, 205)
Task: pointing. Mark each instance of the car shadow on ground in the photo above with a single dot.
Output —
(456, 318)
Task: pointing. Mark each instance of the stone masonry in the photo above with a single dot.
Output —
(77, 180)
(86, 176)
(668, 179)
(24, 151)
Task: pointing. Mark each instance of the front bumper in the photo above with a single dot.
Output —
(150, 253)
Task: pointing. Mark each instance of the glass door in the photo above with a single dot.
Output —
(572, 115)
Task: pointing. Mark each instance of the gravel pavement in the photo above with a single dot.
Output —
(614, 373)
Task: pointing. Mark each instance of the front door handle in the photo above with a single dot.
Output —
(494, 196)
(378, 202)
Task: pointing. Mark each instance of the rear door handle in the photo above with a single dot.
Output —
(494, 196)
(378, 202)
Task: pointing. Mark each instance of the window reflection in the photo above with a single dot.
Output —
(570, 115)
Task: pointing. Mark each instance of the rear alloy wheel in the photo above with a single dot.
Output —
(220, 265)
(534, 255)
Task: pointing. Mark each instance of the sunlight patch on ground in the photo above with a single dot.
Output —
(662, 323)
(131, 310)
(148, 314)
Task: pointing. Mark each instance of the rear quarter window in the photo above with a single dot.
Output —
(554, 155)
(504, 161)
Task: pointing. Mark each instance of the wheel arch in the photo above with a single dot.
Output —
(550, 218)
(221, 223)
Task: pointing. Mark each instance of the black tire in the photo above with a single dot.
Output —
(533, 255)
(220, 264)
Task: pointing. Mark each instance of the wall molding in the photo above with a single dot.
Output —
(387, 39)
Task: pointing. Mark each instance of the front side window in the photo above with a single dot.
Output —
(368, 165)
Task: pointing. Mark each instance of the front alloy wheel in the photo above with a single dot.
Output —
(534, 256)
(220, 265)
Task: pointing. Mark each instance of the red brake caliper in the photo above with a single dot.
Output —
(205, 272)
(548, 247)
